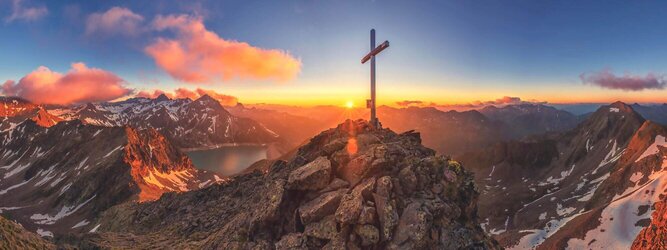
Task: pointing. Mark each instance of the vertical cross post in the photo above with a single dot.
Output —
(374, 121)
(371, 56)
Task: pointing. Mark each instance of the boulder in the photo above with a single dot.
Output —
(408, 180)
(323, 229)
(335, 185)
(368, 234)
(414, 225)
(355, 170)
(387, 215)
(349, 209)
(321, 206)
(312, 176)
(384, 186)
(291, 241)
(365, 188)
(367, 215)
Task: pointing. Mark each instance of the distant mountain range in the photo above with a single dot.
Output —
(187, 123)
(595, 186)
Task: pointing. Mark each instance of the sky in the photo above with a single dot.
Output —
(308, 52)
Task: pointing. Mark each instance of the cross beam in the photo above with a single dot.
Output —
(371, 56)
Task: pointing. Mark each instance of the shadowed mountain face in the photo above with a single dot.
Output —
(349, 187)
(592, 187)
(656, 113)
(57, 180)
(531, 119)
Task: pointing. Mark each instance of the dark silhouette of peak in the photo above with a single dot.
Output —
(162, 97)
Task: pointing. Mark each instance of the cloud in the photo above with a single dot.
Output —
(115, 21)
(500, 102)
(406, 103)
(225, 100)
(79, 85)
(197, 55)
(20, 12)
(627, 82)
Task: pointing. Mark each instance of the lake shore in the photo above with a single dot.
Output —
(222, 145)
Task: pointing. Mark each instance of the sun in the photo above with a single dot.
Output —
(349, 104)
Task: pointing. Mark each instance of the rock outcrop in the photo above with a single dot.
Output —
(351, 187)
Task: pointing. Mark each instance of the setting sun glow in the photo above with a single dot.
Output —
(349, 104)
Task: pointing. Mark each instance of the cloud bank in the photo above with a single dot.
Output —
(79, 85)
(627, 82)
(115, 21)
(197, 55)
(20, 12)
(225, 100)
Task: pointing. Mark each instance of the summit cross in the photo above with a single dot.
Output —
(371, 56)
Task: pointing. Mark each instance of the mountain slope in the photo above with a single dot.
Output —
(553, 192)
(349, 187)
(531, 119)
(656, 113)
(14, 236)
(59, 179)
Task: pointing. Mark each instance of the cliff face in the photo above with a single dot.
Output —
(349, 187)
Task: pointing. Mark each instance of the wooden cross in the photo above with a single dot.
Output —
(371, 56)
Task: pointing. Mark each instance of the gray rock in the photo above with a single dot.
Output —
(335, 185)
(320, 207)
(323, 229)
(367, 216)
(349, 209)
(414, 225)
(368, 234)
(312, 176)
(384, 186)
(387, 215)
(291, 241)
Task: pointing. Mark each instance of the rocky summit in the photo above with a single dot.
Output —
(350, 187)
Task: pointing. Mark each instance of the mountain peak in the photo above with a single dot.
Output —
(619, 106)
(162, 97)
(206, 99)
(372, 181)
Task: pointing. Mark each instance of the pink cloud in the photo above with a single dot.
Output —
(627, 82)
(79, 85)
(225, 100)
(20, 12)
(197, 55)
(115, 21)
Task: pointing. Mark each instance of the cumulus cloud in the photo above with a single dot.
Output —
(115, 21)
(225, 100)
(20, 12)
(197, 55)
(627, 82)
(79, 85)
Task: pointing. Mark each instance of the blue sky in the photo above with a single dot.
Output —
(441, 51)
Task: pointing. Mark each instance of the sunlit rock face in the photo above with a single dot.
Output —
(57, 180)
(14, 110)
(391, 193)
